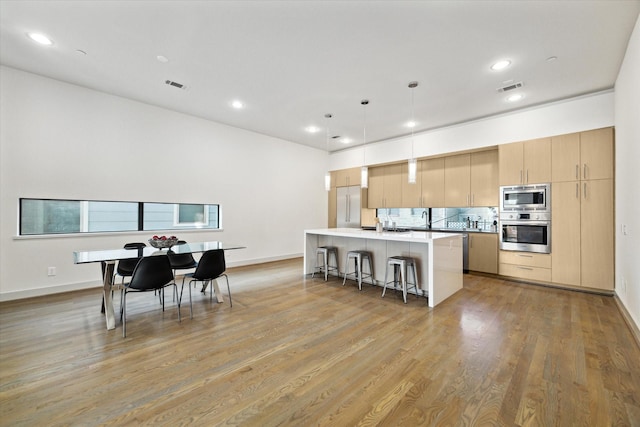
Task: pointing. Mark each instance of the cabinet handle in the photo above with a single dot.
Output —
(521, 182)
(473, 199)
(467, 199)
(525, 268)
(585, 190)
(577, 171)
(577, 189)
(527, 176)
(525, 256)
(584, 173)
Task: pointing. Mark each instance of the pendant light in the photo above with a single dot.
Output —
(364, 172)
(327, 176)
(413, 165)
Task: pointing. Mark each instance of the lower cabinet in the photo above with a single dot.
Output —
(525, 265)
(483, 252)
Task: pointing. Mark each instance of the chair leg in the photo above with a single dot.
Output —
(175, 292)
(190, 302)
(124, 315)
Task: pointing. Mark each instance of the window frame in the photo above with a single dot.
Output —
(140, 220)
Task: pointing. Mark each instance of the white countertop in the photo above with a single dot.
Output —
(407, 236)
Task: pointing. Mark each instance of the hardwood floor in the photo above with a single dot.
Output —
(299, 351)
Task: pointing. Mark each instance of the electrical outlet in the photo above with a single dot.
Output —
(51, 271)
(624, 229)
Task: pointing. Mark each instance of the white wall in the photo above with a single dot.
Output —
(627, 113)
(63, 141)
(572, 115)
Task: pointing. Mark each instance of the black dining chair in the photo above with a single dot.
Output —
(152, 273)
(126, 266)
(181, 261)
(210, 267)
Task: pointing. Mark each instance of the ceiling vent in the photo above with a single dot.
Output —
(175, 84)
(510, 87)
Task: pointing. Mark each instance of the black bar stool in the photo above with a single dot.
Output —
(325, 266)
(400, 264)
(358, 273)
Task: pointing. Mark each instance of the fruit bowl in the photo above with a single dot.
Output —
(163, 242)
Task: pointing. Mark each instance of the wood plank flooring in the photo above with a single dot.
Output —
(296, 351)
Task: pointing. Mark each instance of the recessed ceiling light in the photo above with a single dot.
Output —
(40, 38)
(312, 129)
(411, 124)
(80, 52)
(501, 65)
(551, 58)
(162, 58)
(515, 97)
(237, 104)
(345, 140)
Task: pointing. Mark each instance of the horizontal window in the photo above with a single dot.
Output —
(47, 216)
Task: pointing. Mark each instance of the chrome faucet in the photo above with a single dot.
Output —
(425, 214)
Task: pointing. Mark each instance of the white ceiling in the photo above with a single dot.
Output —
(291, 62)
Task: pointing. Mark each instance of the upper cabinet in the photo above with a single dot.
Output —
(484, 178)
(471, 179)
(346, 177)
(385, 186)
(582, 156)
(432, 177)
(526, 162)
(411, 193)
(457, 179)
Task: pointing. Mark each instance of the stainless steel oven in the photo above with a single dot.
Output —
(525, 218)
(525, 232)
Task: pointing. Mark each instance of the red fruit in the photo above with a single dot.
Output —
(155, 237)
(163, 238)
(173, 237)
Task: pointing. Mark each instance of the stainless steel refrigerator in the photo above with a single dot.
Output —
(349, 207)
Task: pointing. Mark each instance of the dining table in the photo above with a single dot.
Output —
(109, 257)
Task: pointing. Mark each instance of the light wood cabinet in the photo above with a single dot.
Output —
(582, 233)
(333, 208)
(483, 252)
(432, 175)
(346, 177)
(484, 179)
(411, 193)
(525, 265)
(471, 179)
(582, 156)
(385, 186)
(457, 178)
(526, 162)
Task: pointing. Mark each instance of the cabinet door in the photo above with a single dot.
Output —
(537, 161)
(411, 193)
(596, 234)
(376, 188)
(565, 157)
(433, 182)
(510, 163)
(596, 154)
(456, 180)
(333, 208)
(483, 252)
(393, 186)
(565, 233)
(347, 177)
(484, 178)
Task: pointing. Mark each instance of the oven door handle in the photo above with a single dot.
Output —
(534, 223)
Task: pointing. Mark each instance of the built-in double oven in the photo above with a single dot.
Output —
(525, 218)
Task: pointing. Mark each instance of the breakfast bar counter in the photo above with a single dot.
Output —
(438, 255)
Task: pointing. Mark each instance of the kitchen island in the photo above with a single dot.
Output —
(438, 255)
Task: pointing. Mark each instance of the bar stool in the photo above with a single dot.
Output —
(358, 274)
(325, 252)
(400, 265)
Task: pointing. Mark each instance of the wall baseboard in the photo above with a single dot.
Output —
(38, 292)
(635, 331)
